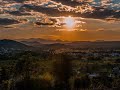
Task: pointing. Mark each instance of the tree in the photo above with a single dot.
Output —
(62, 70)
(25, 66)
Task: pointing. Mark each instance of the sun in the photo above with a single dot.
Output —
(69, 22)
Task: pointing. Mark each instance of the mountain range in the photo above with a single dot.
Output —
(55, 44)
(38, 42)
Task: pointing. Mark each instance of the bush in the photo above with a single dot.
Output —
(33, 84)
(82, 82)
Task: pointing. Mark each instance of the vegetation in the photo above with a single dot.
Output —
(58, 71)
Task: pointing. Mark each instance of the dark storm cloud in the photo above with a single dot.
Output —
(101, 9)
(99, 12)
(6, 21)
(18, 13)
(78, 8)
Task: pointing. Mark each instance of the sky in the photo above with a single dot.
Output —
(72, 20)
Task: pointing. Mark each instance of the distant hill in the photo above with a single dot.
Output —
(56, 46)
(44, 43)
(6, 43)
(40, 40)
(32, 43)
(96, 44)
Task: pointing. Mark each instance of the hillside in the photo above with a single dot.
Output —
(9, 44)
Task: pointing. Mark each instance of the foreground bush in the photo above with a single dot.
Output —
(33, 84)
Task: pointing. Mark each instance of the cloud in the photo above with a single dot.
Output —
(40, 10)
(100, 29)
(6, 21)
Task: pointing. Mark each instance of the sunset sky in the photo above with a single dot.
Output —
(73, 20)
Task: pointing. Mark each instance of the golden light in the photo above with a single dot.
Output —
(69, 22)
